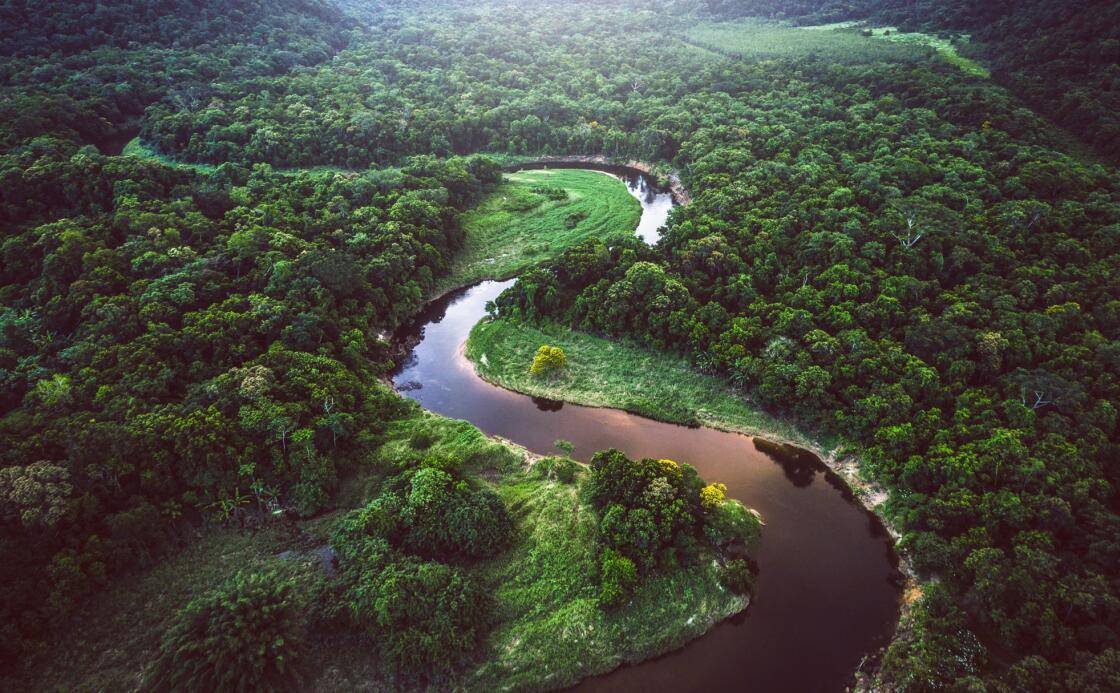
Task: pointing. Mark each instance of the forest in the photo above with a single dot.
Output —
(215, 215)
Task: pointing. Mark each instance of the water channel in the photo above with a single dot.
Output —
(827, 592)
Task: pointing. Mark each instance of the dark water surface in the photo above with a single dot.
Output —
(826, 593)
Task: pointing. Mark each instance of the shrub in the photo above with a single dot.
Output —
(573, 219)
(446, 518)
(420, 614)
(551, 192)
(245, 635)
(562, 469)
(736, 576)
(617, 577)
(731, 522)
(548, 360)
(712, 495)
(633, 533)
(519, 200)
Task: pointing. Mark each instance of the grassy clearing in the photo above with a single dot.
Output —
(605, 373)
(551, 630)
(840, 41)
(760, 39)
(513, 227)
(946, 48)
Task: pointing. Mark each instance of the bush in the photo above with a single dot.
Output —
(736, 576)
(563, 469)
(421, 615)
(731, 522)
(573, 219)
(617, 577)
(632, 532)
(447, 518)
(551, 192)
(519, 200)
(246, 635)
(548, 359)
(712, 495)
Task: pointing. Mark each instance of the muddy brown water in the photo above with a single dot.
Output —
(827, 593)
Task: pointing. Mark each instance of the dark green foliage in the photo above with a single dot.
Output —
(947, 308)
(421, 615)
(551, 192)
(1059, 56)
(652, 517)
(562, 469)
(194, 364)
(618, 576)
(936, 647)
(445, 517)
(878, 246)
(737, 576)
(245, 635)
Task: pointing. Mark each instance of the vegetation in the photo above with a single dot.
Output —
(894, 252)
(620, 374)
(567, 609)
(549, 360)
(534, 215)
(1059, 57)
(245, 635)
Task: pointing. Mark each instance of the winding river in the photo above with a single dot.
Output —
(827, 591)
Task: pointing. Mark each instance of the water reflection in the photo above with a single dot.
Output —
(656, 205)
(800, 466)
(546, 404)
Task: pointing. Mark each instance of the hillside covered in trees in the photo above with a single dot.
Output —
(195, 333)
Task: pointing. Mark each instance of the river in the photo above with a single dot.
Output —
(827, 591)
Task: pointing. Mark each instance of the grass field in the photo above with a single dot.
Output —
(760, 39)
(513, 227)
(606, 373)
(944, 47)
(843, 42)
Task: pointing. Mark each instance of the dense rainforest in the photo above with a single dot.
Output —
(1060, 57)
(215, 213)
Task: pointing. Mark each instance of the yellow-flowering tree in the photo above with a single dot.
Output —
(548, 360)
(712, 496)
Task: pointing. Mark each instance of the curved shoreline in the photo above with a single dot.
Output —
(672, 184)
(867, 495)
(841, 467)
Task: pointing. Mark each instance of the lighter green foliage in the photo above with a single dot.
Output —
(605, 373)
(514, 227)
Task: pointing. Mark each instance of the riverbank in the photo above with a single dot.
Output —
(606, 373)
(535, 215)
(658, 385)
(660, 175)
(550, 629)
